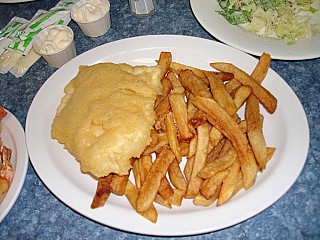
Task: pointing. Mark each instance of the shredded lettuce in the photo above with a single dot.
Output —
(285, 19)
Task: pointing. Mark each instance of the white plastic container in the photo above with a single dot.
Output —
(92, 16)
(55, 44)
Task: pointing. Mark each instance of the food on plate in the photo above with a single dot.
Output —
(289, 20)
(6, 170)
(106, 115)
(202, 148)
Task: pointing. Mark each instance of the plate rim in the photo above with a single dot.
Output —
(22, 160)
(149, 37)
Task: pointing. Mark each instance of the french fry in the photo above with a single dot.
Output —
(229, 183)
(215, 152)
(215, 136)
(118, 184)
(220, 94)
(241, 95)
(174, 80)
(136, 173)
(200, 200)
(218, 165)
(159, 124)
(184, 147)
(172, 136)
(163, 107)
(144, 163)
(150, 186)
(164, 61)
(264, 96)
(243, 126)
(177, 67)
(162, 141)
(179, 110)
(131, 193)
(103, 191)
(226, 148)
(154, 137)
(270, 152)
(191, 114)
(213, 184)
(188, 168)
(165, 203)
(166, 88)
(254, 130)
(176, 176)
(192, 147)
(198, 118)
(232, 85)
(177, 197)
(252, 114)
(193, 84)
(239, 184)
(165, 190)
(261, 70)
(234, 134)
(200, 158)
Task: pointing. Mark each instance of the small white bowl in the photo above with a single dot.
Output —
(61, 56)
(96, 27)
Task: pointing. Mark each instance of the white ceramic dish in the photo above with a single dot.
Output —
(13, 137)
(235, 36)
(60, 172)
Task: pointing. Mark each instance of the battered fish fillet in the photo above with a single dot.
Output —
(106, 115)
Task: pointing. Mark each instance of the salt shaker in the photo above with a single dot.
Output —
(142, 8)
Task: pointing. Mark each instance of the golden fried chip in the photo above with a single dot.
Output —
(118, 184)
(200, 158)
(150, 186)
(220, 94)
(177, 67)
(177, 197)
(255, 132)
(194, 84)
(218, 165)
(241, 95)
(103, 191)
(229, 183)
(233, 132)
(213, 184)
(165, 190)
(176, 176)
(131, 192)
(164, 61)
(179, 109)
(264, 96)
(172, 136)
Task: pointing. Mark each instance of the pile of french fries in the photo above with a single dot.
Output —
(201, 149)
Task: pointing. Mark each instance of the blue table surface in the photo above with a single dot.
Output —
(38, 214)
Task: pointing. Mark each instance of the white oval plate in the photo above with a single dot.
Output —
(61, 173)
(235, 36)
(13, 137)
